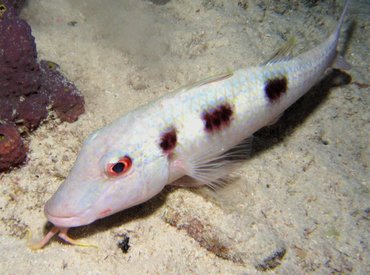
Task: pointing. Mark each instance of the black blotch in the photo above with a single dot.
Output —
(168, 140)
(217, 118)
(208, 122)
(225, 112)
(275, 88)
(124, 243)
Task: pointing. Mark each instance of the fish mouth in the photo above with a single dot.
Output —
(69, 221)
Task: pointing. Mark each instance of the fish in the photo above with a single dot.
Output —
(200, 131)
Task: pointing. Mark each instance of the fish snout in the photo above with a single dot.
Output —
(63, 215)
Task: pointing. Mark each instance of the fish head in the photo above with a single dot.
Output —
(114, 170)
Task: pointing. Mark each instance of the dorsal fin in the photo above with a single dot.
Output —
(284, 53)
(208, 80)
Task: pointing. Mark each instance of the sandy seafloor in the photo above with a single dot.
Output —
(301, 203)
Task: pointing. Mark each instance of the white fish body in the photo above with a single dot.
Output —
(186, 132)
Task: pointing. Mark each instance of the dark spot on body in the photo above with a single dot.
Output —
(208, 124)
(217, 121)
(168, 140)
(276, 87)
(226, 112)
(217, 118)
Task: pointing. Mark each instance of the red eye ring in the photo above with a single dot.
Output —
(120, 167)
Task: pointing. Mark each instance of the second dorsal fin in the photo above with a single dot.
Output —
(284, 53)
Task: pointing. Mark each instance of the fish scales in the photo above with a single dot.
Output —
(198, 131)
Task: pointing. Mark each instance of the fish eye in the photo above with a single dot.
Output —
(120, 167)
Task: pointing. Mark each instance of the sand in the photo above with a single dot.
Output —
(299, 205)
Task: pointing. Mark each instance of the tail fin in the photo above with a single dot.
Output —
(339, 62)
(342, 16)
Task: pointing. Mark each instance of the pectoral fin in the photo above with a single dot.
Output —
(212, 168)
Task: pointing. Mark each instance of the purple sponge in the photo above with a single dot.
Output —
(27, 87)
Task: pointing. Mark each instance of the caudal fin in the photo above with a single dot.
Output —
(344, 12)
(339, 62)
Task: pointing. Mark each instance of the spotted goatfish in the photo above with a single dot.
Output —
(198, 131)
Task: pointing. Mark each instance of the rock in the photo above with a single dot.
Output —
(12, 150)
